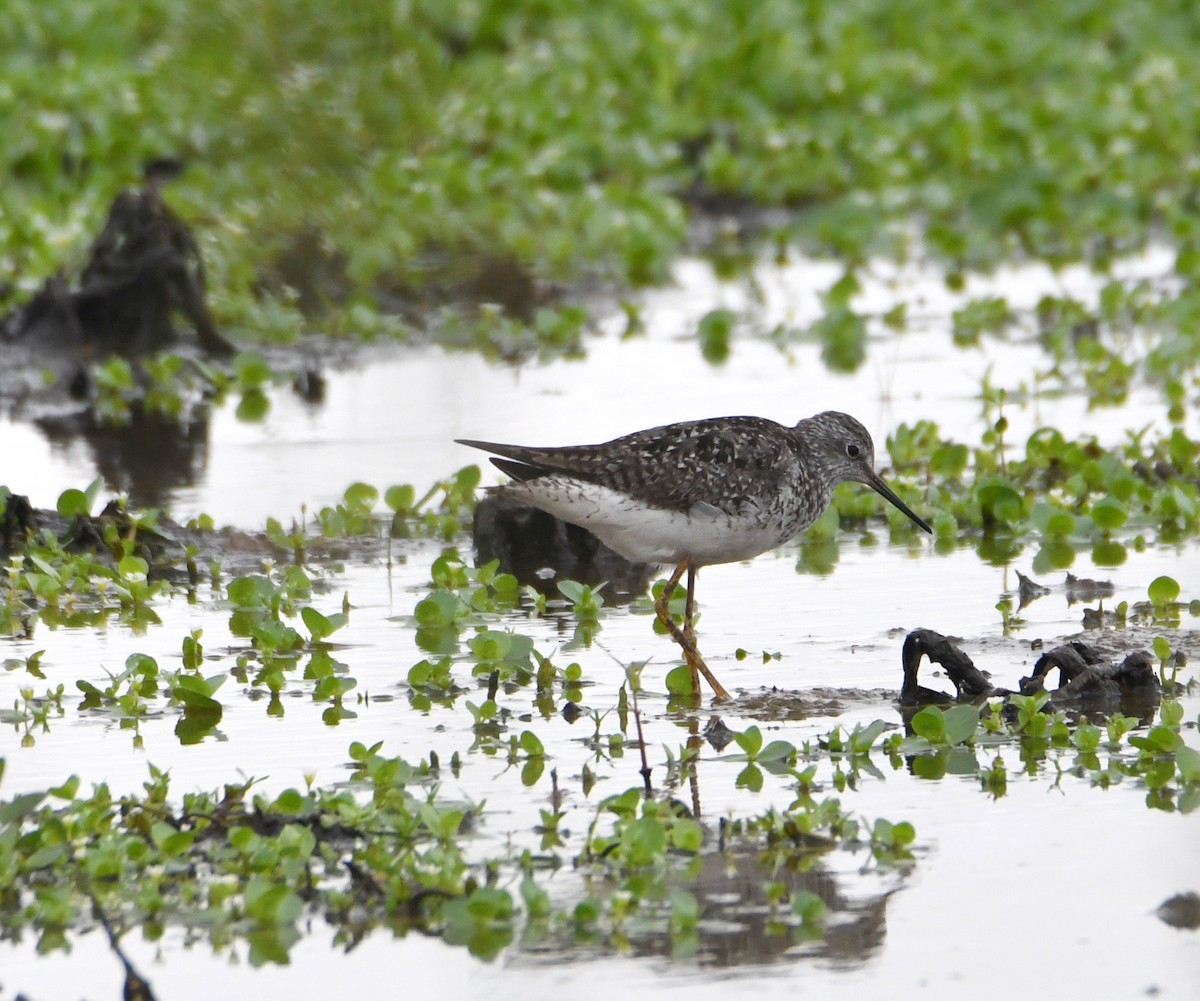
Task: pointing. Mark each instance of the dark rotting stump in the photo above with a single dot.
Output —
(540, 550)
(18, 521)
(1087, 680)
(1084, 589)
(143, 268)
(1029, 590)
(970, 683)
(142, 287)
(1181, 910)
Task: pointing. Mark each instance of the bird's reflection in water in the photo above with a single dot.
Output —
(739, 927)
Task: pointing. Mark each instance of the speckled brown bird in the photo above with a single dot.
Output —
(696, 493)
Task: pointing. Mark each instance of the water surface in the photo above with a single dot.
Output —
(1056, 883)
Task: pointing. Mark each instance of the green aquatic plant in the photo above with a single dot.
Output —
(949, 727)
(842, 334)
(75, 503)
(412, 515)
(988, 315)
(262, 604)
(116, 391)
(252, 859)
(462, 596)
(507, 653)
(352, 516)
(166, 386)
(586, 601)
(55, 580)
(1072, 494)
(745, 110)
(252, 376)
(587, 604)
(440, 512)
(1163, 591)
(32, 713)
(777, 756)
(714, 333)
(529, 747)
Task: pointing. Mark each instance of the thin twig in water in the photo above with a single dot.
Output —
(637, 719)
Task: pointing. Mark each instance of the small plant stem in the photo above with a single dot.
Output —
(637, 720)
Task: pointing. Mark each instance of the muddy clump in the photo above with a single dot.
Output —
(1088, 681)
(540, 550)
(143, 269)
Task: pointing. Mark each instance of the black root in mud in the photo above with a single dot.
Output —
(1085, 676)
(163, 544)
(143, 269)
(18, 521)
(969, 682)
(540, 550)
(1087, 680)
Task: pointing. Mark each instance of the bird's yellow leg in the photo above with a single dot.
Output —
(686, 637)
(689, 608)
(689, 628)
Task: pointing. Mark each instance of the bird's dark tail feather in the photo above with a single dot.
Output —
(519, 471)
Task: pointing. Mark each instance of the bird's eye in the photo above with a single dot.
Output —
(853, 450)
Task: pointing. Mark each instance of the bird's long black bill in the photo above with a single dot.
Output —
(881, 488)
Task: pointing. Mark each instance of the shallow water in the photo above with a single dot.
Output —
(393, 420)
(1055, 883)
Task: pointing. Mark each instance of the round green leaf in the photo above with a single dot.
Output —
(1163, 590)
(999, 502)
(437, 609)
(530, 743)
(361, 495)
(251, 369)
(72, 503)
(318, 625)
(400, 498)
(133, 568)
(930, 723)
(1109, 513)
(960, 723)
(250, 591)
(253, 406)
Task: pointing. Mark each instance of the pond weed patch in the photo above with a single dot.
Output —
(589, 863)
(426, 117)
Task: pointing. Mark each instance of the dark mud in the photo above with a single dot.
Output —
(143, 269)
(541, 550)
(176, 552)
(1087, 679)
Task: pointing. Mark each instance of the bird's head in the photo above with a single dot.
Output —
(848, 454)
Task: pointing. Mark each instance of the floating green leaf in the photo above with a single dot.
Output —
(73, 503)
(1163, 591)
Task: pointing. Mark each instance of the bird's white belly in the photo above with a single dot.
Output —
(705, 534)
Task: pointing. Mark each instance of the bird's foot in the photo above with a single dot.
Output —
(686, 638)
(687, 641)
(697, 666)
